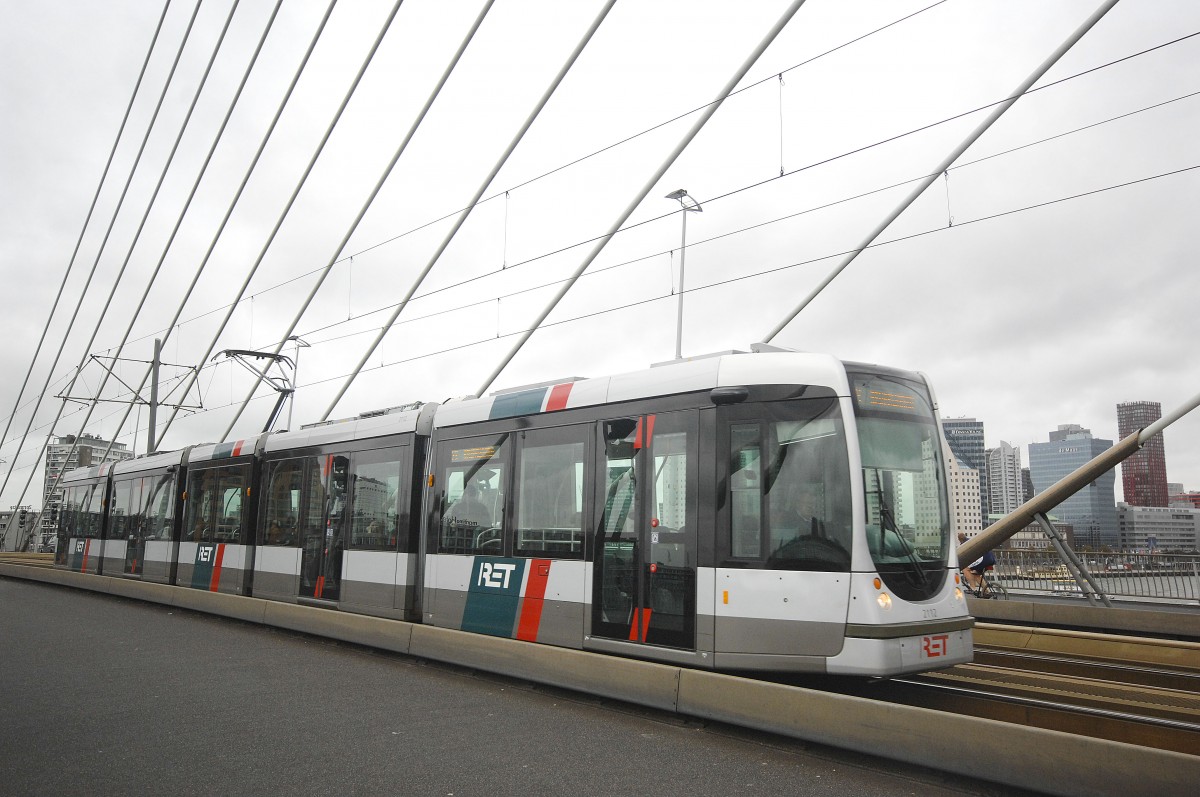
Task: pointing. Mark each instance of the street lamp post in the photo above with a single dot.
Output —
(684, 208)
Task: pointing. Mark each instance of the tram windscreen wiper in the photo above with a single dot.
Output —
(886, 518)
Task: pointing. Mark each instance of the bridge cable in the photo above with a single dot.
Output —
(462, 218)
(784, 18)
(129, 254)
(87, 220)
(175, 230)
(574, 162)
(233, 203)
(104, 242)
(296, 191)
(760, 183)
(983, 126)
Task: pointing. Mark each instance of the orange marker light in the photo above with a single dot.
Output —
(878, 583)
(725, 596)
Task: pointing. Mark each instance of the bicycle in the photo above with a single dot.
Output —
(986, 589)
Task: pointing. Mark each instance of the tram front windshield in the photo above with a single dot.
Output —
(907, 515)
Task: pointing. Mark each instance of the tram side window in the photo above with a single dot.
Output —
(473, 474)
(550, 495)
(285, 481)
(312, 513)
(377, 477)
(214, 504)
(746, 490)
(160, 505)
(92, 520)
(123, 521)
(233, 482)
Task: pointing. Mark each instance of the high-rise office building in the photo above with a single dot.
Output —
(1144, 473)
(965, 436)
(1092, 511)
(1005, 489)
(964, 496)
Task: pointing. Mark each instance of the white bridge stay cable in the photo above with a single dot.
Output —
(87, 220)
(295, 192)
(128, 255)
(786, 17)
(462, 216)
(266, 137)
(171, 239)
(379, 183)
(996, 113)
(96, 263)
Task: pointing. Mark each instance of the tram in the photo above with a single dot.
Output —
(772, 511)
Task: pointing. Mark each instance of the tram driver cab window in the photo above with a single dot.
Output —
(473, 474)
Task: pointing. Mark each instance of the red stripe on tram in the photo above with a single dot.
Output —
(640, 625)
(637, 440)
(633, 625)
(558, 397)
(649, 429)
(215, 581)
(645, 620)
(87, 547)
(534, 600)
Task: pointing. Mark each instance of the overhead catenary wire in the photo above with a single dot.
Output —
(420, 117)
(299, 186)
(702, 241)
(578, 160)
(487, 181)
(940, 229)
(770, 271)
(217, 138)
(955, 167)
(266, 137)
(983, 126)
(760, 183)
(104, 242)
(86, 221)
(784, 18)
(133, 246)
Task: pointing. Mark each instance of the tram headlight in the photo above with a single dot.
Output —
(958, 593)
(884, 600)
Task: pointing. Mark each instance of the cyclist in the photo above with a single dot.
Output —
(973, 573)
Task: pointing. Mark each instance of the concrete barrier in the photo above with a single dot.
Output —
(1047, 761)
(1182, 624)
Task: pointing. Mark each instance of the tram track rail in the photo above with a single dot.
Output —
(1138, 690)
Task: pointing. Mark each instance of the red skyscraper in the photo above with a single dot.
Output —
(1143, 475)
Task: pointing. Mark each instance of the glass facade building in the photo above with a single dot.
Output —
(1092, 511)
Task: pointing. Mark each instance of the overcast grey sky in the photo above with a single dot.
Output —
(1028, 312)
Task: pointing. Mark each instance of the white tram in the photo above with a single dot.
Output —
(766, 511)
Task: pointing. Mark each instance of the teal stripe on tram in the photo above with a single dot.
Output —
(509, 405)
(206, 556)
(494, 596)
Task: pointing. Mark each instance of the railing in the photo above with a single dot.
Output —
(1159, 576)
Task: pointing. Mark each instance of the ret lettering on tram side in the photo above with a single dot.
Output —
(495, 605)
(207, 571)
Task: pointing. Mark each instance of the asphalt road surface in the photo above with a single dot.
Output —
(102, 695)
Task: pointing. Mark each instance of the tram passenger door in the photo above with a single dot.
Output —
(323, 534)
(645, 555)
